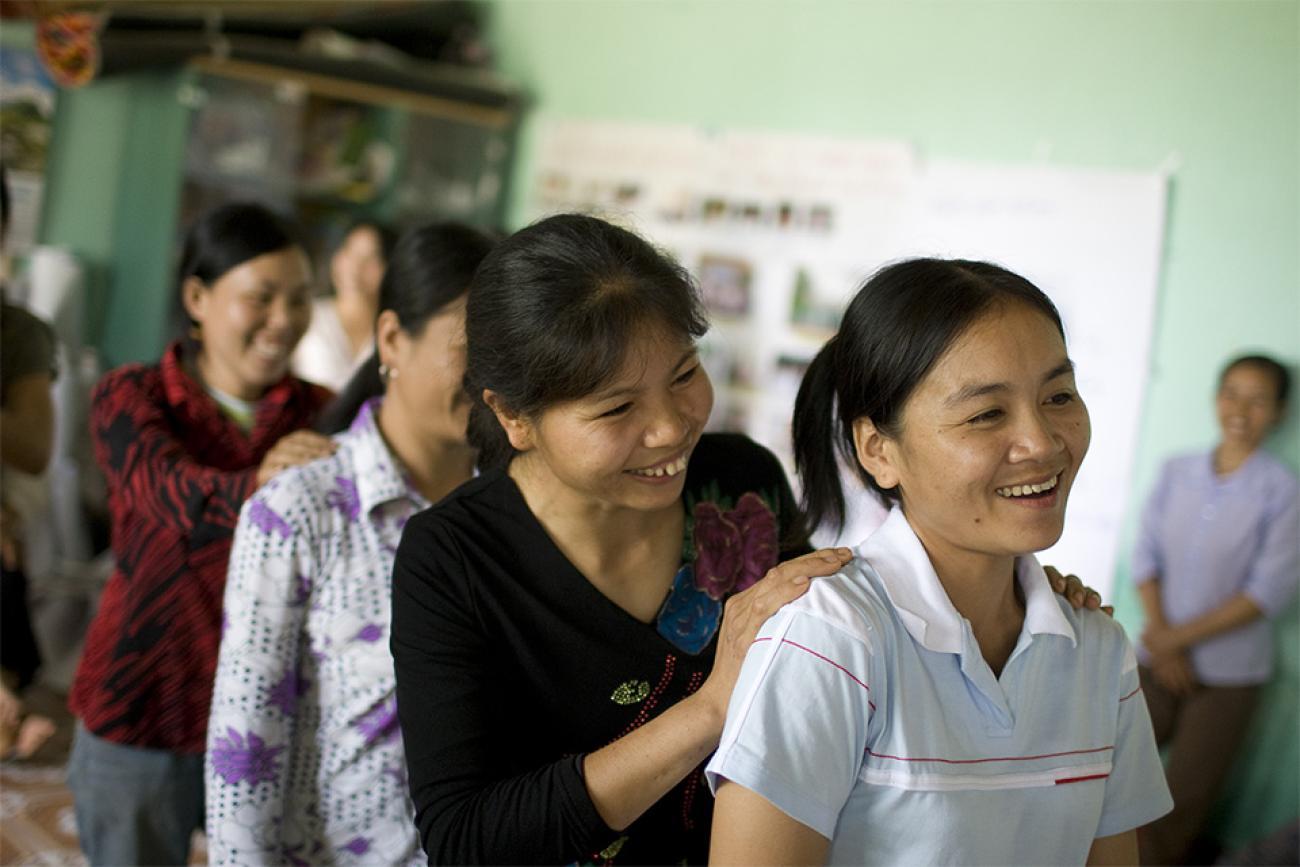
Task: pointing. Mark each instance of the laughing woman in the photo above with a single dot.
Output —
(935, 702)
(563, 661)
(183, 442)
(567, 627)
(304, 758)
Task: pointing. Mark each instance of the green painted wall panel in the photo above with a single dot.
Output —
(1212, 87)
(138, 317)
(113, 188)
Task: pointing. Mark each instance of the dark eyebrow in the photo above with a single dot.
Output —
(981, 389)
(630, 390)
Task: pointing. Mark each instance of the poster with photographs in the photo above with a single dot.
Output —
(780, 229)
(27, 97)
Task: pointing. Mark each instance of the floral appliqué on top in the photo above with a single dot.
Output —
(725, 550)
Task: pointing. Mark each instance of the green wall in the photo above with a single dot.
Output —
(113, 205)
(1213, 87)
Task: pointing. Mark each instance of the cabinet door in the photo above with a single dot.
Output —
(453, 171)
(244, 143)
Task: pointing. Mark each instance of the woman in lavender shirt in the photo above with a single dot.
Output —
(1216, 559)
(304, 761)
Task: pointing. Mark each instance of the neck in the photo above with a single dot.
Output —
(1230, 455)
(982, 588)
(595, 536)
(204, 373)
(436, 467)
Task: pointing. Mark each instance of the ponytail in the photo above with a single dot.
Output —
(817, 441)
(365, 384)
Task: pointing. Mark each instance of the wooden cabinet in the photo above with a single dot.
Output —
(326, 148)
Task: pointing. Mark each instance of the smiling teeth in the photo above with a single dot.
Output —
(269, 353)
(1026, 490)
(671, 469)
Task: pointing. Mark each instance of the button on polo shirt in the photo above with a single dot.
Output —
(866, 711)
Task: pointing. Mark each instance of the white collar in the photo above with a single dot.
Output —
(896, 555)
(379, 477)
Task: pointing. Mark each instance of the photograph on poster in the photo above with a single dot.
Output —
(834, 210)
(724, 284)
(812, 309)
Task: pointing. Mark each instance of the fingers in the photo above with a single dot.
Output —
(818, 564)
(781, 585)
(299, 447)
(1078, 594)
(303, 446)
(34, 732)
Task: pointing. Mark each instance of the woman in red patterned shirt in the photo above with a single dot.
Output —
(183, 442)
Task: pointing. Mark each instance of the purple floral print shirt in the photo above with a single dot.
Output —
(304, 759)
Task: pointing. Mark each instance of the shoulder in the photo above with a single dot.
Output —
(21, 323)
(129, 376)
(131, 387)
(725, 467)
(1184, 465)
(29, 340)
(1277, 478)
(716, 452)
(1100, 637)
(307, 484)
(297, 501)
(312, 396)
(477, 514)
(1189, 470)
(849, 602)
(472, 503)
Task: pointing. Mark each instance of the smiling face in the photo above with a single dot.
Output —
(1247, 406)
(990, 441)
(250, 319)
(627, 444)
(430, 371)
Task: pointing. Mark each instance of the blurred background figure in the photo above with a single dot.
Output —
(183, 442)
(304, 669)
(1218, 554)
(27, 370)
(341, 335)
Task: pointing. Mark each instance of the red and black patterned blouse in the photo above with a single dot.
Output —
(178, 470)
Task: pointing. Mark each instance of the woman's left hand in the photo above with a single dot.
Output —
(1161, 640)
(1076, 592)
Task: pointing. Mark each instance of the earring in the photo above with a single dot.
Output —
(386, 373)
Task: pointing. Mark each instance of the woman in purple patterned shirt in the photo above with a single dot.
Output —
(304, 762)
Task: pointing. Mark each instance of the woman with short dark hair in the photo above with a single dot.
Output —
(563, 659)
(1218, 556)
(183, 442)
(304, 758)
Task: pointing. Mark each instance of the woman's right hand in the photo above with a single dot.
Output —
(745, 612)
(299, 447)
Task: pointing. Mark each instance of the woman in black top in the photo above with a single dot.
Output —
(555, 620)
(562, 656)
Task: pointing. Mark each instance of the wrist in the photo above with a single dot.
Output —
(711, 707)
(1179, 639)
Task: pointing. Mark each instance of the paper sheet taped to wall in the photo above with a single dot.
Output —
(780, 229)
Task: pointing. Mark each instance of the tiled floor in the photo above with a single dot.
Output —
(37, 825)
(36, 821)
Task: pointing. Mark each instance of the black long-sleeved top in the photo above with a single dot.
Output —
(511, 666)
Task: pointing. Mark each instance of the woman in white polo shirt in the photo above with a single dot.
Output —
(935, 702)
